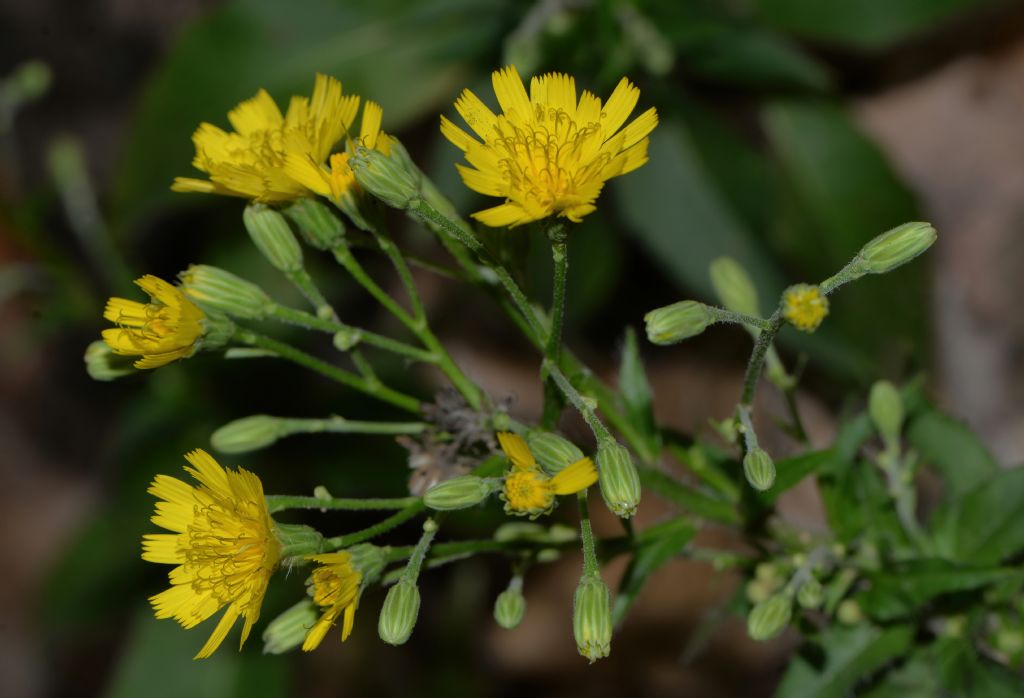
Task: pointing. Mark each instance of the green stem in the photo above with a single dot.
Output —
(590, 565)
(723, 315)
(402, 269)
(282, 502)
(756, 363)
(601, 432)
(393, 521)
(412, 568)
(312, 322)
(336, 424)
(553, 346)
(304, 282)
(285, 351)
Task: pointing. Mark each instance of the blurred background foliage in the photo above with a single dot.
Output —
(757, 157)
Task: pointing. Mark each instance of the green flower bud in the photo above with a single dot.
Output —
(388, 177)
(458, 493)
(592, 618)
(297, 540)
(895, 248)
(510, 606)
(849, 612)
(733, 286)
(348, 338)
(213, 288)
(270, 233)
(618, 478)
(552, 451)
(399, 613)
(288, 630)
(370, 560)
(769, 618)
(885, 406)
(217, 331)
(317, 224)
(247, 434)
(676, 322)
(811, 594)
(758, 591)
(759, 469)
(102, 364)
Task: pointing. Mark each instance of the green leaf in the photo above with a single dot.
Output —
(863, 24)
(850, 655)
(636, 394)
(667, 540)
(688, 498)
(843, 194)
(405, 55)
(989, 526)
(954, 450)
(899, 590)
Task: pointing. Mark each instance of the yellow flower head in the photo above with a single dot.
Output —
(223, 544)
(804, 307)
(334, 586)
(167, 328)
(529, 491)
(546, 153)
(251, 161)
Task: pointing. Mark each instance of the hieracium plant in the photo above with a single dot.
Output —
(316, 180)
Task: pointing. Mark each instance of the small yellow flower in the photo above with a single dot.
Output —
(528, 490)
(252, 161)
(223, 544)
(167, 328)
(334, 586)
(546, 153)
(804, 307)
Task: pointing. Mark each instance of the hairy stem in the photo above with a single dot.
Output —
(283, 502)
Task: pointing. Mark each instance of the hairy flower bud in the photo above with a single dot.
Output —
(676, 322)
(770, 617)
(213, 288)
(619, 480)
(552, 451)
(102, 364)
(592, 618)
(391, 178)
(247, 434)
(317, 224)
(510, 606)
(288, 630)
(297, 540)
(896, 247)
(885, 407)
(270, 233)
(733, 286)
(759, 469)
(458, 493)
(399, 612)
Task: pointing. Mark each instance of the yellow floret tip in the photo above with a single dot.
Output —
(547, 153)
(334, 586)
(804, 307)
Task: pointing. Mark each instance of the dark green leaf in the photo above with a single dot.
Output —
(953, 449)
(666, 540)
(989, 526)
(636, 393)
(851, 655)
(688, 498)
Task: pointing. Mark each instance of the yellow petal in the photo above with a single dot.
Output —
(517, 451)
(640, 128)
(619, 106)
(504, 215)
(475, 113)
(508, 88)
(578, 476)
(348, 621)
(259, 113)
(219, 633)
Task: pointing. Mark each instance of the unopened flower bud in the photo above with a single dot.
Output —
(757, 591)
(270, 233)
(769, 618)
(458, 493)
(317, 224)
(217, 331)
(288, 630)
(849, 612)
(592, 618)
(804, 307)
(213, 288)
(552, 451)
(399, 612)
(298, 540)
(102, 364)
(510, 606)
(247, 434)
(676, 322)
(759, 469)
(811, 594)
(733, 286)
(896, 247)
(619, 480)
(388, 177)
(885, 406)
(370, 560)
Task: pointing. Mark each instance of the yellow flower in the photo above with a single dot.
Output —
(804, 307)
(223, 544)
(251, 161)
(530, 491)
(546, 153)
(167, 328)
(335, 588)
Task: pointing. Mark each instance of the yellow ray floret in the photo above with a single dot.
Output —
(335, 588)
(167, 328)
(532, 492)
(547, 153)
(517, 451)
(804, 306)
(252, 161)
(222, 541)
